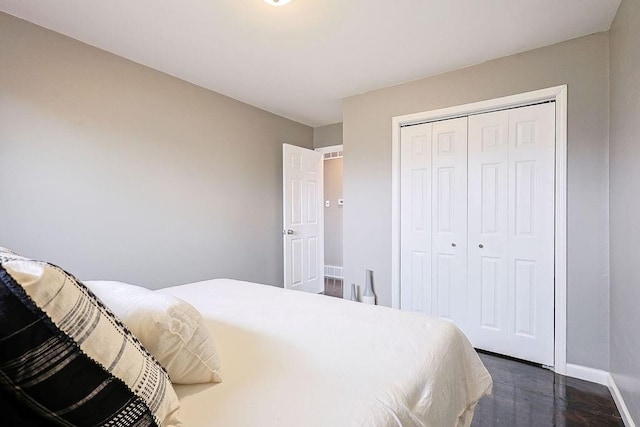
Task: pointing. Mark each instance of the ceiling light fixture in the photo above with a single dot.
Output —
(277, 2)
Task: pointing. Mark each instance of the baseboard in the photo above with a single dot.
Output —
(622, 407)
(599, 376)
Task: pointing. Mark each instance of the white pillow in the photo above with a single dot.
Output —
(172, 330)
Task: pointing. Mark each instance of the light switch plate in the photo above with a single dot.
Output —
(327, 203)
(340, 202)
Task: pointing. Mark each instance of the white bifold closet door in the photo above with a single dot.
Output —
(449, 219)
(477, 227)
(415, 218)
(511, 236)
(434, 219)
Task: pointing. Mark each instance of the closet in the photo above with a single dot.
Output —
(477, 227)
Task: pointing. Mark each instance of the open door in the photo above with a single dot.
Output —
(303, 219)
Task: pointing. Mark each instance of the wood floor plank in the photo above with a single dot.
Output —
(526, 395)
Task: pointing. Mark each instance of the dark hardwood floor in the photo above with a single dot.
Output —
(333, 287)
(528, 395)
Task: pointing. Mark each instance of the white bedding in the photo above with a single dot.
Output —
(296, 359)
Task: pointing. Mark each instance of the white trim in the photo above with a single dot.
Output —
(560, 344)
(396, 125)
(597, 376)
(604, 378)
(557, 94)
(622, 406)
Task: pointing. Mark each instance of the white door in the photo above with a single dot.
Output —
(449, 220)
(488, 231)
(415, 221)
(511, 232)
(531, 232)
(303, 231)
(433, 193)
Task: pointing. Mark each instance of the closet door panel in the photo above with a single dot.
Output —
(449, 220)
(415, 220)
(531, 232)
(488, 234)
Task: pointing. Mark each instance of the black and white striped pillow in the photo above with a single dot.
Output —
(66, 357)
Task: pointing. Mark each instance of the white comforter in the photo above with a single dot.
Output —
(297, 359)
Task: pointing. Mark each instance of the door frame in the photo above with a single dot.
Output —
(330, 149)
(557, 94)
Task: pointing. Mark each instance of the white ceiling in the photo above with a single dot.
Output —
(301, 59)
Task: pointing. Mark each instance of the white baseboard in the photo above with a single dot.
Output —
(622, 407)
(599, 376)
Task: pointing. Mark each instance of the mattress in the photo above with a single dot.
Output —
(295, 359)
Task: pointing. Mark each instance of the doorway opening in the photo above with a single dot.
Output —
(333, 219)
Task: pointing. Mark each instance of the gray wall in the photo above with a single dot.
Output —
(326, 136)
(625, 203)
(117, 171)
(580, 63)
(333, 214)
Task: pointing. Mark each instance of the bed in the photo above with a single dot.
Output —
(296, 359)
(111, 353)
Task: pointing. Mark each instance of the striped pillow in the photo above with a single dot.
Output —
(65, 356)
